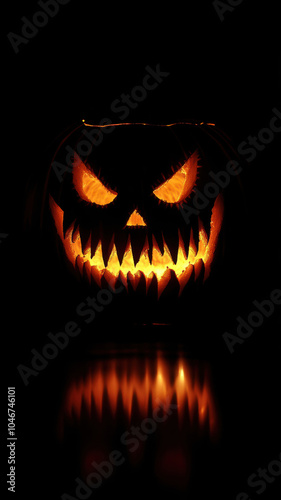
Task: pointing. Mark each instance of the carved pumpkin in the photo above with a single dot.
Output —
(117, 213)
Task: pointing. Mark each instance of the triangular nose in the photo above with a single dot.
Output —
(135, 219)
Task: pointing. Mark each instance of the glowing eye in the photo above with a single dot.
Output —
(179, 186)
(89, 187)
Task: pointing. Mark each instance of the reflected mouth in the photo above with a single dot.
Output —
(151, 406)
(135, 385)
(150, 264)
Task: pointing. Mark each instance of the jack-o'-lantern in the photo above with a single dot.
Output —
(118, 213)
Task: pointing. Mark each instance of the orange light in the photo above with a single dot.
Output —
(89, 187)
(135, 219)
(160, 265)
(143, 384)
(179, 186)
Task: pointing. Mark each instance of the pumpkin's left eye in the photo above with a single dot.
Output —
(179, 186)
(89, 187)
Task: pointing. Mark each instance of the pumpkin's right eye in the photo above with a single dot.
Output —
(179, 186)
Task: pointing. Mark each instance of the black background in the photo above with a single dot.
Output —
(224, 72)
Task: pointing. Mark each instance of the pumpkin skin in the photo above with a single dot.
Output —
(118, 212)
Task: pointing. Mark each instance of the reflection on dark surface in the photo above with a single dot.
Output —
(137, 416)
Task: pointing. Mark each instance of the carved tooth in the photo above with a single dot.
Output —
(199, 269)
(191, 283)
(131, 280)
(148, 281)
(85, 235)
(195, 232)
(172, 286)
(76, 267)
(79, 264)
(68, 221)
(103, 282)
(192, 248)
(98, 256)
(187, 280)
(128, 261)
(138, 239)
(185, 234)
(96, 275)
(121, 241)
(181, 247)
(163, 281)
(87, 274)
(184, 278)
(95, 238)
(137, 279)
(142, 283)
(152, 285)
(203, 237)
(205, 217)
(150, 246)
(171, 238)
(107, 245)
(155, 250)
(110, 280)
(159, 240)
(123, 279)
(75, 231)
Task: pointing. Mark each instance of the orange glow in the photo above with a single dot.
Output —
(180, 185)
(160, 265)
(142, 385)
(135, 219)
(89, 187)
(194, 124)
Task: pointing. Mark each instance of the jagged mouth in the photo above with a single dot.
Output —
(152, 264)
(134, 386)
